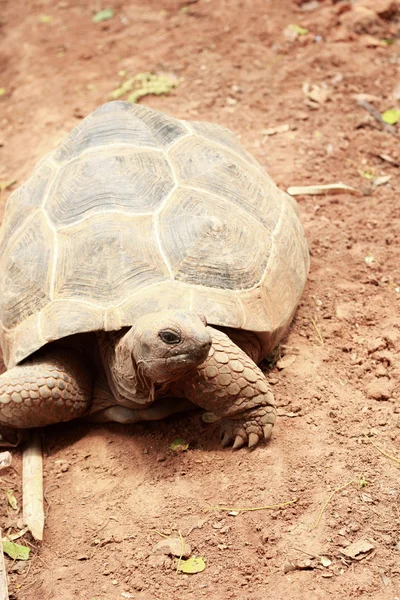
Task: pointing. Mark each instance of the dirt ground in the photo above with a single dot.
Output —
(112, 490)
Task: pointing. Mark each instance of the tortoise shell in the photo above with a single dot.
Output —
(136, 212)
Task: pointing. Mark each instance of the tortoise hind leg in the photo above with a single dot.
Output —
(46, 389)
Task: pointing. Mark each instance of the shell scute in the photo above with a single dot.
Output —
(136, 212)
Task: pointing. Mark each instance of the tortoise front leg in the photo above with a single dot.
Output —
(49, 388)
(231, 385)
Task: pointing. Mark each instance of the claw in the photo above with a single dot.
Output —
(226, 438)
(253, 440)
(267, 429)
(238, 443)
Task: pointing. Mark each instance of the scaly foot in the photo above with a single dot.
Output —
(231, 385)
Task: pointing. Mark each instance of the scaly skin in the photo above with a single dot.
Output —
(56, 387)
(231, 385)
(49, 389)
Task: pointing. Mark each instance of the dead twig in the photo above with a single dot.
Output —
(163, 535)
(251, 508)
(32, 486)
(378, 117)
(322, 189)
(335, 491)
(321, 339)
(397, 460)
(304, 552)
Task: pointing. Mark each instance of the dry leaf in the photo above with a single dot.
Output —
(358, 550)
(325, 561)
(382, 180)
(317, 93)
(367, 498)
(277, 129)
(5, 459)
(12, 501)
(389, 159)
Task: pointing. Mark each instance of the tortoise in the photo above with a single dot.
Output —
(147, 266)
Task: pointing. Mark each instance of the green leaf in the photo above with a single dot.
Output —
(45, 18)
(12, 501)
(192, 565)
(126, 87)
(391, 116)
(299, 30)
(179, 445)
(15, 551)
(103, 15)
(145, 84)
(367, 174)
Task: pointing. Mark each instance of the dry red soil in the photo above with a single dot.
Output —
(112, 489)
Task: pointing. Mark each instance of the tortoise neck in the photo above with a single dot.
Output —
(123, 376)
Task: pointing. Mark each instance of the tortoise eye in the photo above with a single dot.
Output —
(170, 337)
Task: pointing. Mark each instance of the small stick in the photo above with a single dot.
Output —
(382, 451)
(318, 190)
(3, 573)
(271, 506)
(32, 486)
(318, 331)
(321, 512)
(377, 116)
(303, 551)
(163, 535)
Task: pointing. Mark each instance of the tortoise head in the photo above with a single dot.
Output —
(167, 344)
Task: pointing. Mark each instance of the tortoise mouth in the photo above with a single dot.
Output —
(193, 358)
(170, 368)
